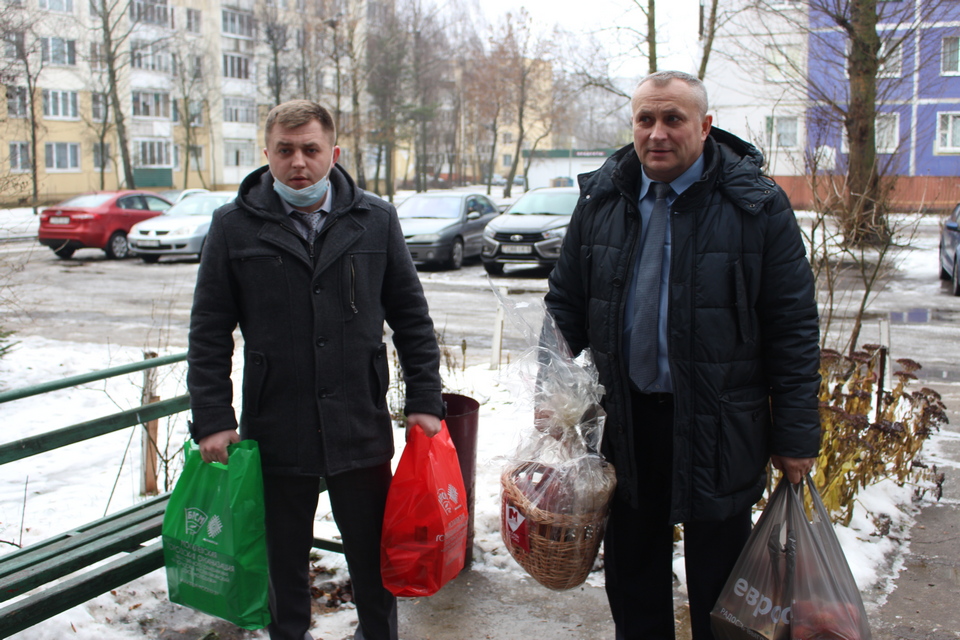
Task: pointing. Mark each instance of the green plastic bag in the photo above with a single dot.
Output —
(214, 542)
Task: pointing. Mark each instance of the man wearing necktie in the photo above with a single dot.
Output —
(310, 266)
(683, 270)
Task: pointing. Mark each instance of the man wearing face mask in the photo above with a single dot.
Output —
(310, 267)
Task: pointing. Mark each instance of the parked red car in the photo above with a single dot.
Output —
(98, 220)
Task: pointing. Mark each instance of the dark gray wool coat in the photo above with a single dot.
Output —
(743, 327)
(315, 371)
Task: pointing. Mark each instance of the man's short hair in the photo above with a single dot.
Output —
(296, 113)
(663, 78)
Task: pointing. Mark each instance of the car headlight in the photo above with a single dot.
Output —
(184, 231)
(559, 233)
(489, 233)
(424, 238)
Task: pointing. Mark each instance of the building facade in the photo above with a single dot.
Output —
(193, 80)
(781, 81)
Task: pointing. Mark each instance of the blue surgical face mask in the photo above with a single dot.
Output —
(306, 197)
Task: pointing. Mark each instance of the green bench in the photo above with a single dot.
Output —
(71, 568)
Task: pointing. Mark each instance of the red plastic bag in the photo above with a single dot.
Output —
(424, 541)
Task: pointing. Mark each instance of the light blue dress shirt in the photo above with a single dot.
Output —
(662, 383)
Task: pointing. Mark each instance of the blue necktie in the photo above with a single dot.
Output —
(312, 221)
(646, 320)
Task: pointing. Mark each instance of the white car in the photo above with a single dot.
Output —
(179, 231)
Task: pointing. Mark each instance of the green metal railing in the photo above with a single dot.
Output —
(50, 440)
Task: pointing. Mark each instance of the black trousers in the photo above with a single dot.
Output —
(638, 547)
(358, 498)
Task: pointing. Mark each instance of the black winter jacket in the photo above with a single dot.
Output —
(743, 327)
(315, 370)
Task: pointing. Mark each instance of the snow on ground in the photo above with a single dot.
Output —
(51, 492)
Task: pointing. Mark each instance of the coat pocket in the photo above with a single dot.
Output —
(381, 376)
(743, 442)
(254, 380)
(743, 307)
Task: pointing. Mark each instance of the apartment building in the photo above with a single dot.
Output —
(193, 80)
(780, 80)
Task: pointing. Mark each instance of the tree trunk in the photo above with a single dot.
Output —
(651, 36)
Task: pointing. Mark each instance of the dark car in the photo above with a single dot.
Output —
(531, 231)
(950, 250)
(98, 220)
(444, 228)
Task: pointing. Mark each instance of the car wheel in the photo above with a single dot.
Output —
(955, 285)
(117, 247)
(493, 268)
(944, 274)
(64, 252)
(150, 259)
(456, 254)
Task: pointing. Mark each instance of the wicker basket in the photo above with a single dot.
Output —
(558, 550)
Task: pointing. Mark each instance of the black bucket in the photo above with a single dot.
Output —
(462, 417)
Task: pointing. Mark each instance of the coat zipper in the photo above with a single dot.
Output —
(353, 282)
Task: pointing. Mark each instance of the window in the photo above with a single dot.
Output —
(239, 23)
(193, 20)
(62, 156)
(196, 157)
(60, 104)
(887, 132)
(782, 132)
(948, 132)
(196, 113)
(19, 156)
(239, 153)
(507, 137)
(99, 107)
(16, 102)
(950, 56)
(98, 56)
(891, 62)
(154, 153)
(196, 67)
(151, 12)
(101, 155)
(236, 66)
(58, 51)
(150, 56)
(13, 46)
(783, 62)
(507, 159)
(239, 110)
(63, 6)
(151, 104)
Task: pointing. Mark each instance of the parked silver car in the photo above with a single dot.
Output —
(181, 230)
(531, 231)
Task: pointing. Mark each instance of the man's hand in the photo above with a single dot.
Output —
(793, 468)
(213, 448)
(429, 423)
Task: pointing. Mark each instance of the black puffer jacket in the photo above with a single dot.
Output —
(743, 325)
(315, 365)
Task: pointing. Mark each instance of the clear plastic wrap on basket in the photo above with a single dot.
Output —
(556, 489)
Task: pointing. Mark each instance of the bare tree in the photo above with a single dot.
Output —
(276, 36)
(25, 58)
(524, 58)
(386, 57)
(843, 58)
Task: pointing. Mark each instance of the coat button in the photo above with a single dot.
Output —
(317, 288)
(323, 392)
(257, 359)
(321, 341)
(617, 282)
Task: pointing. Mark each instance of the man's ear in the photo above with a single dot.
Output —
(707, 124)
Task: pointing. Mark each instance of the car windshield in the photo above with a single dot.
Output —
(87, 200)
(198, 205)
(545, 203)
(432, 207)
